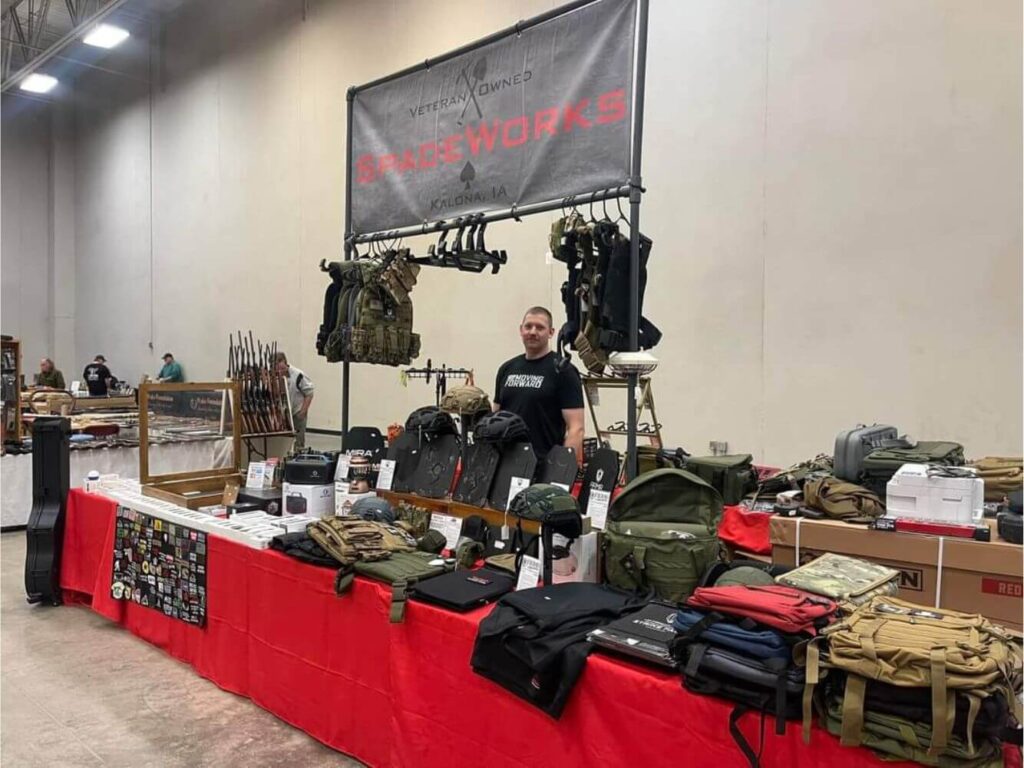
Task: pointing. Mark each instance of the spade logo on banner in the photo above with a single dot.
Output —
(479, 73)
(468, 174)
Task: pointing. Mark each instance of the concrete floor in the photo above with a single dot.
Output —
(76, 690)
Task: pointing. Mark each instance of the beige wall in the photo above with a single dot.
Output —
(834, 197)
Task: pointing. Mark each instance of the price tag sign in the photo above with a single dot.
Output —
(341, 473)
(257, 471)
(597, 507)
(529, 573)
(386, 475)
(518, 484)
(450, 526)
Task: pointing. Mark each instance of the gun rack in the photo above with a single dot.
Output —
(440, 376)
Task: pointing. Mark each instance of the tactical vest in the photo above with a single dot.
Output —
(373, 312)
(596, 293)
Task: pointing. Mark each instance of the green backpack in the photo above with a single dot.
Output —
(662, 533)
(732, 476)
(401, 571)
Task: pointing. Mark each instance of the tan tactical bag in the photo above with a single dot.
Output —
(841, 500)
(1002, 475)
(900, 643)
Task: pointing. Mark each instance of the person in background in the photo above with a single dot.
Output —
(48, 376)
(300, 394)
(548, 397)
(171, 371)
(98, 377)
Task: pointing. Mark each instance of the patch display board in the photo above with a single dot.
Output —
(160, 565)
(531, 117)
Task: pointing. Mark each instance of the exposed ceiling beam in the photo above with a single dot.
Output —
(57, 46)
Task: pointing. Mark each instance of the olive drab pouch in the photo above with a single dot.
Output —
(401, 571)
(732, 476)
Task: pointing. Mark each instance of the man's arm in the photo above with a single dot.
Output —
(306, 402)
(574, 431)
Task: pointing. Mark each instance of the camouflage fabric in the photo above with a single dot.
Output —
(417, 518)
(371, 325)
(505, 562)
(844, 501)
(399, 277)
(466, 401)
(841, 577)
(544, 503)
(794, 478)
(349, 540)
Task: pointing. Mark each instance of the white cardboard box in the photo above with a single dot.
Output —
(312, 500)
(343, 500)
(913, 493)
(581, 565)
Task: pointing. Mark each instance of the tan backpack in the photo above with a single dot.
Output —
(1002, 475)
(900, 643)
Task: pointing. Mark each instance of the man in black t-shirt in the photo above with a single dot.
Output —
(97, 376)
(548, 399)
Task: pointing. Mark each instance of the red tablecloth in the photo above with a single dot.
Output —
(404, 694)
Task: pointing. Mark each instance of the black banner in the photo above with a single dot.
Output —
(531, 117)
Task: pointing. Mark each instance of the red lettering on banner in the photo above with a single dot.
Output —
(574, 115)
(524, 131)
(487, 135)
(611, 106)
(1002, 587)
(387, 163)
(428, 161)
(366, 170)
(408, 162)
(605, 108)
(545, 121)
(448, 152)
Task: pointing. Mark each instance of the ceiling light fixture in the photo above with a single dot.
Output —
(37, 83)
(105, 36)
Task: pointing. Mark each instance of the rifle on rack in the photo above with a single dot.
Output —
(263, 399)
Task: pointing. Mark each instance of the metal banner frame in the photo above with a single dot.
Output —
(632, 191)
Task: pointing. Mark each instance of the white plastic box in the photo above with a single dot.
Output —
(913, 493)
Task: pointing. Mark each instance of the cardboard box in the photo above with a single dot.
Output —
(581, 565)
(343, 500)
(937, 571)
(312, 500)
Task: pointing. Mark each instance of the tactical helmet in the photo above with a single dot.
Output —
(466, 401)
(431, 421)
(745, 575)
(549, 505)
(501, 427)
(374, 508)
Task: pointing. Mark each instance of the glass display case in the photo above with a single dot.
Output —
(190, 411)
